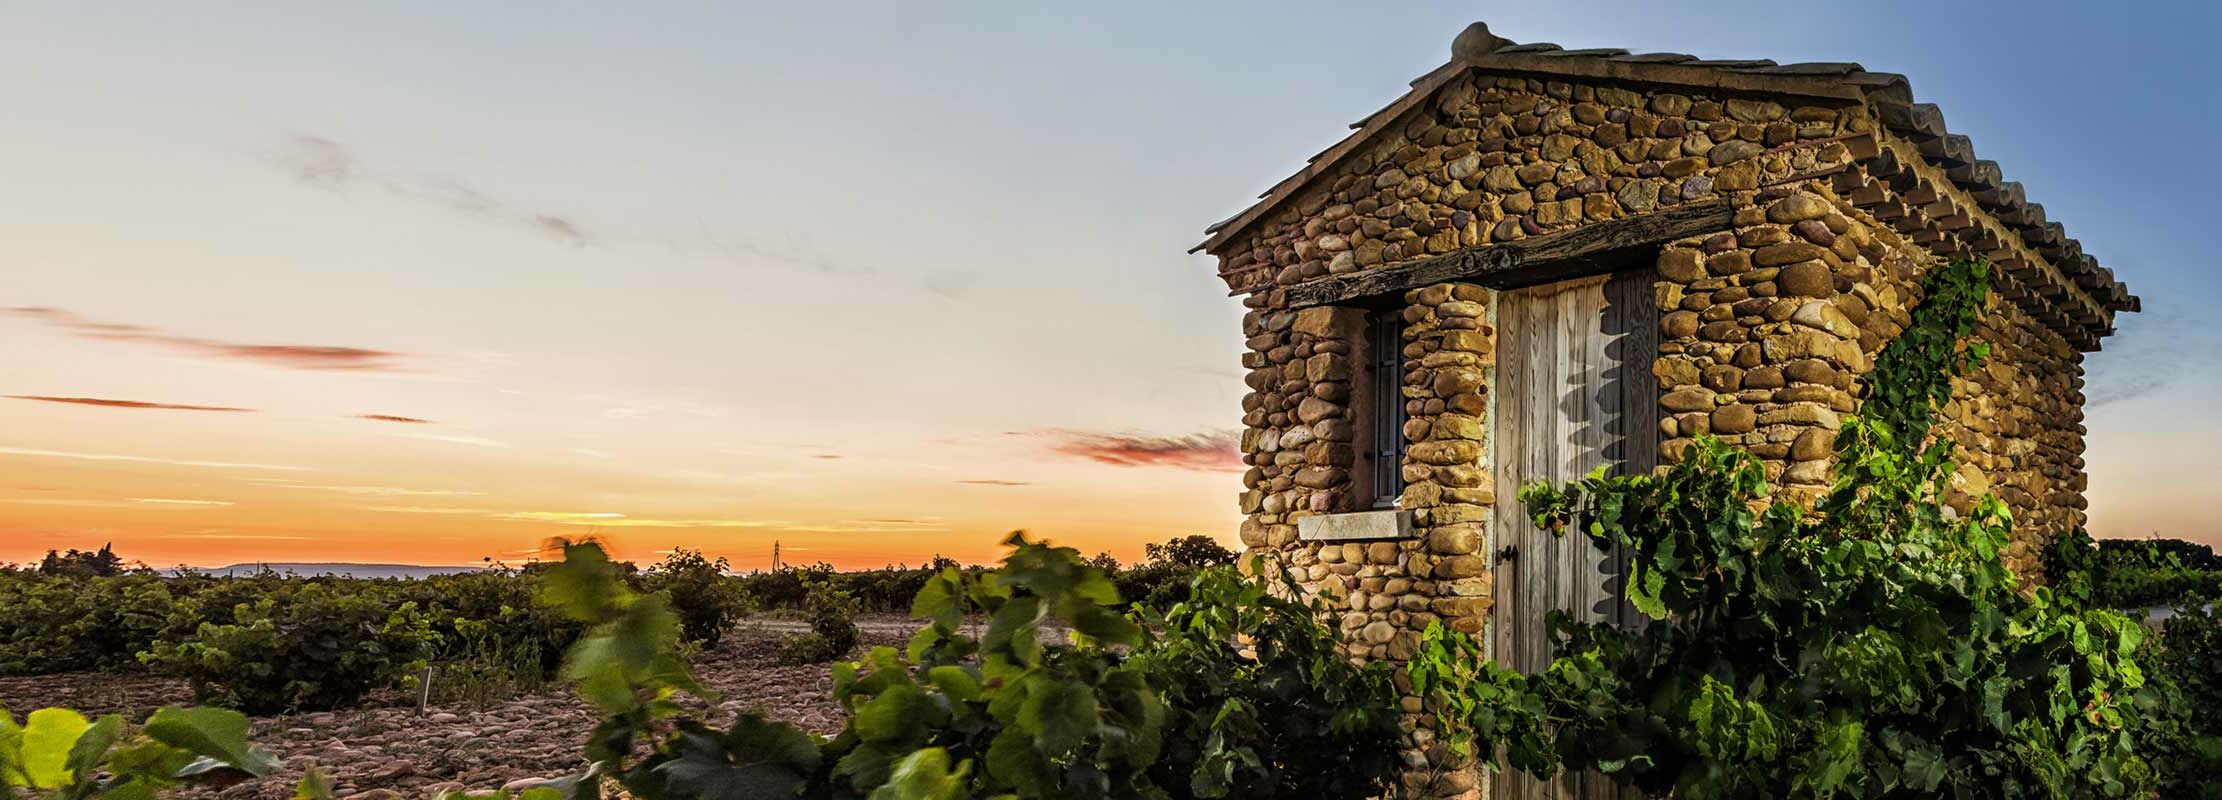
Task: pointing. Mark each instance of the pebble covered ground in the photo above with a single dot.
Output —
(388, 749)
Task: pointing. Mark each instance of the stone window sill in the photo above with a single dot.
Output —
(1357, 525)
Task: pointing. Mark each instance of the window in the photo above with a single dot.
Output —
(1384, 424)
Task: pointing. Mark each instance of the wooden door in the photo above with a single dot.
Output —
(1574, 391)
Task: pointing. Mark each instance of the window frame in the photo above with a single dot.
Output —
(1378, 410)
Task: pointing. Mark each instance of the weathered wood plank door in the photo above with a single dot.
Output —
(1574, 391)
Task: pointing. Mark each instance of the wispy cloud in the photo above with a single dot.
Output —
(928, 524)
(474, 441)
(1210, 451)
(58, 501)
(19, 451)
(128, 502)
(372, 490)
(393, 418)
(423, 510)
(228, 535)
(327, 165)
(108, 403)
(612, 519)
(606, 519)
(2144, 357)
(595, 519)
(991, 482)
(289, 356)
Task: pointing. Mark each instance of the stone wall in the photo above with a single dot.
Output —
(1766, 328)
(1770, 330)
(2018, 420)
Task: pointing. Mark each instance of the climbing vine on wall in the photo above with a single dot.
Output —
(1913, 374)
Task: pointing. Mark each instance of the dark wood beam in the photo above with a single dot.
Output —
(1558, 255)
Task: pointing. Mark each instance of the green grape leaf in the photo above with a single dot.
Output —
(48, 735)
(215, 733)
(91, 749)
(898, 714)
(1059, 714)
(926, 775)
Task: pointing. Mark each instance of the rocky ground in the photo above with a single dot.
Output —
(388, 749)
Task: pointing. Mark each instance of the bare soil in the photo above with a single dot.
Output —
(389, 749)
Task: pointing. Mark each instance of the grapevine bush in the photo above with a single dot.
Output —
(707, 601)
(316, 648)
(833, 630)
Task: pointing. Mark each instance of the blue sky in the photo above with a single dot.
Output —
(878, 279)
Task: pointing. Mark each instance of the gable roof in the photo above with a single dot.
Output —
(1887, 94)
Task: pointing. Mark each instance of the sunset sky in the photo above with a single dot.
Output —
(427, 284)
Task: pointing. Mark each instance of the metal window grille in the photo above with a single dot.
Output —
(1385, 341)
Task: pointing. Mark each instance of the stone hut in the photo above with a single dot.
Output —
(1539, 261)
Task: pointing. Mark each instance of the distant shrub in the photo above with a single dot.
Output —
(706, 599)
(2135, 574)
(833, 630)
(1168, 570)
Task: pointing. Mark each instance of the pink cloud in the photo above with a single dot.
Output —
(107, 403)
(393, 418)
(290, 356)
(1210, 451)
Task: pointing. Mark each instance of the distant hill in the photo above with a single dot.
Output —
(338, 568)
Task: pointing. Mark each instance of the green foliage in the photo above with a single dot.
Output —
(1261, 701)
(1160, 581)
(833, 630)
(1155, 584)
(2162, 552)
(2137, 574)
(885, 589)
(1111, 712)
(315, 648)
(2181, 707)
(58, 753)
(1194, 551)
(59, 624)
(1037, 720)
(1876, 647)
(707, 600)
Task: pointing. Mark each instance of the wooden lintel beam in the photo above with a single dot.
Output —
(1556, 255)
